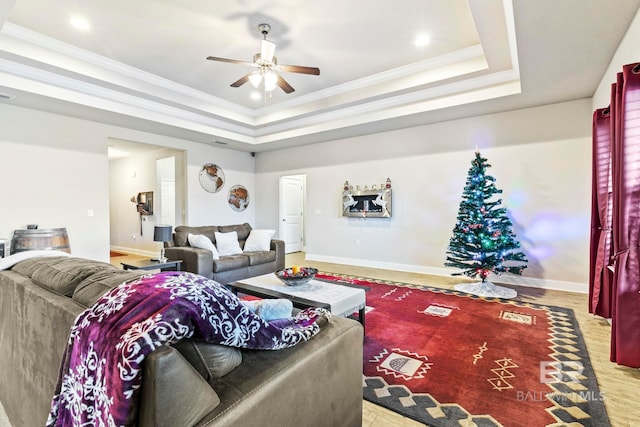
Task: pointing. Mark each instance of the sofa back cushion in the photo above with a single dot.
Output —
(181, 234)
(28, 266)
(61, 275)
(97, 284)
(243, 231)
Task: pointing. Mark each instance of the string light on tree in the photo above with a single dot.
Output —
(483, 241)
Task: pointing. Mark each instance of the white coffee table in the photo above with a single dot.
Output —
(338, 299)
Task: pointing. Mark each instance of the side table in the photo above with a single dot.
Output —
(147, 264)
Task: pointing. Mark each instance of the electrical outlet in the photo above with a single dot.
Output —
(357, 242)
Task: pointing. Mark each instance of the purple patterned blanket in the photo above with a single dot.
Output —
(101, 369)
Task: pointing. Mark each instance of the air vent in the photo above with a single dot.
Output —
(4, 95)
(220, 142)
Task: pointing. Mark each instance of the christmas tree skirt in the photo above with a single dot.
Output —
(446, 358)
(486, 289)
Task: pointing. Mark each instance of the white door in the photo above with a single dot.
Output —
(292, 212)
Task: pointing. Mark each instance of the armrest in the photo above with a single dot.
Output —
(173, 393)
(278, 246)
(194, 260)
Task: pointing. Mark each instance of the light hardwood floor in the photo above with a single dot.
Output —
(620, 385)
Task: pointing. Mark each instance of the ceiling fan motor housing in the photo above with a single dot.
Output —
(264, 29)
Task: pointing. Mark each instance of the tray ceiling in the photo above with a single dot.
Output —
(142, 64)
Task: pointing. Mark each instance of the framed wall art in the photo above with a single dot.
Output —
(374, 202)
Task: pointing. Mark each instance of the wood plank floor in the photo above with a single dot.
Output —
(620, 385)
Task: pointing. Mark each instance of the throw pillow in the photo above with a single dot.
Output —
(227, 243)
(259, 240)
(203, 242)
(270, 309)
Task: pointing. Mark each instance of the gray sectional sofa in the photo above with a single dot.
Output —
(316, 383)
(228, 268)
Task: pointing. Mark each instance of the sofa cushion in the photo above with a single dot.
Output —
(29, 266)
(210, 360)
(203, 242)
(243, 230)
(231, 262)
(97, 284)
(181, 235)
(66, 274)
(227, 243)
(262, 257)
(258, 240)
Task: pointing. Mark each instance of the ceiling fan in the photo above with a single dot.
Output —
(267, 66)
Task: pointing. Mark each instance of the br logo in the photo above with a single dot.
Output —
(560, 372)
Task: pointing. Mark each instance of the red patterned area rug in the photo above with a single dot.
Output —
(446, 358)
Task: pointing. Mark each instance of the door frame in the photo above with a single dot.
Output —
(303, 180)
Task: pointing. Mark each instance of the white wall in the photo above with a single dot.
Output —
(53, 172)
(55, 169)
(627, 53)
(540, 158)
(213, 208)
(129, 176)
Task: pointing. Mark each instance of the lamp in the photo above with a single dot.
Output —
(161, 233)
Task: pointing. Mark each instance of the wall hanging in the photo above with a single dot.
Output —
(367, 202)
(144, 204)
(211, 177)
(238, 198)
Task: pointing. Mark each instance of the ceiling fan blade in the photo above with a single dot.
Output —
(232, 61)
(284, 85)
(242, 80)
(267, 50)
(300, 69)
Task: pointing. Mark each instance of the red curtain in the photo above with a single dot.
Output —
(601, 251)
(621, 201)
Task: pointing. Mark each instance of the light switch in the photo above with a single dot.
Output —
(89, 212)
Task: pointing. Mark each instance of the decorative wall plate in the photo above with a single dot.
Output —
(211, 177)
(238, 198)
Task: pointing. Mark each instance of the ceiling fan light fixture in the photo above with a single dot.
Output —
(267, 50)
(255, 78)
(270, 80)
(266, 66)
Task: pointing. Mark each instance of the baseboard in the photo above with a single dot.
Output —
(532, 282)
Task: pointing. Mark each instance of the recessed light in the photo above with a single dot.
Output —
(255, 95)
(422, 40)
(79, 23)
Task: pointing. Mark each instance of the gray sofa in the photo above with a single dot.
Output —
(316, 383)
(229, 268)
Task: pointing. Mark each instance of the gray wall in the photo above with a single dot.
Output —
(541, 158)
(55, 170)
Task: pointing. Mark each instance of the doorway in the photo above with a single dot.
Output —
(166, 182)
(292, 196)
